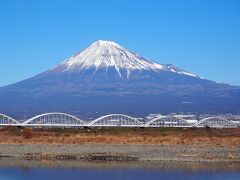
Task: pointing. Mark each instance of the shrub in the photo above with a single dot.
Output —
(207, 127)
(27, 133)
(12, 129)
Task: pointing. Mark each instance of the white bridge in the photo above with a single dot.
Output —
(57, 119)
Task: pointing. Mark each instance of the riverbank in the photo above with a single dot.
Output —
(122, 136)
(106, 152)
(121, 144)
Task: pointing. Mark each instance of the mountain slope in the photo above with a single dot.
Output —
(107, 55)
(107, 78)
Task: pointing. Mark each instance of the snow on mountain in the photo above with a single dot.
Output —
(107, 78)
(175, 69)
(107, 54)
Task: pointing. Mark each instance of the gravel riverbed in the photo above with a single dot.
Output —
(128, 152)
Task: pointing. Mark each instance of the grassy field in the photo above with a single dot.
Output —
(118, 135)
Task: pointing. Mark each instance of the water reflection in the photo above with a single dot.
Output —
(25, 169)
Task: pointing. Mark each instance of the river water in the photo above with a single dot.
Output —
(67, 170)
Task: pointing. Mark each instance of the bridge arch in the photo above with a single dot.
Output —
(6, 120)
(115, 120)
(54, 119)
(168, 121)
(217, 122)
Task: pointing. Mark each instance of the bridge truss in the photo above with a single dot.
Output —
(7, 121)
(168, 121)
(216, 122)
(116, 120)
(58, 119)
(55, 120)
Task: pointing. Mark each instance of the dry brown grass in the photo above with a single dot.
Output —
(167, 136)
(27, 133)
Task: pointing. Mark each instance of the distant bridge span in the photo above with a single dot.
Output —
(116, 120)
(216, 122)
(168, 121)
(55, 119)
(58, 119)
(7, 121)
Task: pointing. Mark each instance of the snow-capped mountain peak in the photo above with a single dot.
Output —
(107, 78)
(108, 54)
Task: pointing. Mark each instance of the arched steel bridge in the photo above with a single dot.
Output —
(57, 119)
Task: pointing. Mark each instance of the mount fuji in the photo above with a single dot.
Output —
(109, 55)
(108, 78)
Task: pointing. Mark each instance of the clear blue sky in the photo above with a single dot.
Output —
(200, 36)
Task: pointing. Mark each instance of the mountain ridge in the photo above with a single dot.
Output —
(107, 78)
